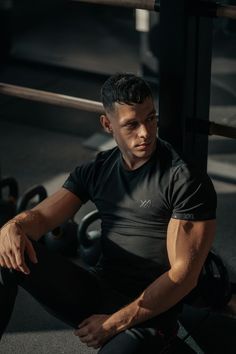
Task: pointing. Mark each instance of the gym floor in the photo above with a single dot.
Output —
(40, 144)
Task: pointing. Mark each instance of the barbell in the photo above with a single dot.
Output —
(202, 8)
(50, 98)
(202, 127)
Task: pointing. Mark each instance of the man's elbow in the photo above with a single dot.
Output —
(184, 276)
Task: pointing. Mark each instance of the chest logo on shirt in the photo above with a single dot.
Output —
(145, 203)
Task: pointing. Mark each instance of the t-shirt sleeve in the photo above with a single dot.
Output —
(80, 181)
(193, 196)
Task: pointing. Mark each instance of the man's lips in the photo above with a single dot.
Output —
(143, 144)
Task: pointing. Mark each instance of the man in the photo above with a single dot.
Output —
(158, 225)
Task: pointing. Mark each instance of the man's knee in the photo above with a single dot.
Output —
(8, 286)
(134, 341)
(7, 277)
(8, 292)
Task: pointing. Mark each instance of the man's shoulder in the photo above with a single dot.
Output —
(104, 154)
(107, 156)
(169, 158)
(92, 166)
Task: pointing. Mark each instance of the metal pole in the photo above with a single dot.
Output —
(172, 33)
(185, 76)
(226, 11)
(202, 8)
(51, 98)
(136, 4)
(222, 130)
(197, 87)
(94, 106)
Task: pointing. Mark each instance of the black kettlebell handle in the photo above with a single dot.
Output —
(211, 260)
(12, 185)
(86, 221)
(35, 191)
(214, 260)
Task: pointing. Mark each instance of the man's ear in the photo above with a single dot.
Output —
(105, 122)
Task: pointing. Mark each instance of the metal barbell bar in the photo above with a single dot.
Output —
(206, 127)
(151, 5)
(203, 8)
(203, 127)
(227, 11)
(51, 98)
(222, 130)
(212, 9)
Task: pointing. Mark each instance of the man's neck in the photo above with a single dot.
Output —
(134, 164)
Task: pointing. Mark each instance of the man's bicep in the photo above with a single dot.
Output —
(58, 207)
(188, 243)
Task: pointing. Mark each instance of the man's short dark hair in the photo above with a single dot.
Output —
(124, 88)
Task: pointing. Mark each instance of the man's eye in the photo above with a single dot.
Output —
(131, 125)
(152, 118)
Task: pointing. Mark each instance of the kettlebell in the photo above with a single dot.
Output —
(214, 284)
(63, 239)
(26, 201)
(89, 241)
(214, 288)
(8, 204)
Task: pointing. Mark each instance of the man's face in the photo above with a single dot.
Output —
(134, 128)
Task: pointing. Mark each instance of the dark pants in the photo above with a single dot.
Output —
(72, 294)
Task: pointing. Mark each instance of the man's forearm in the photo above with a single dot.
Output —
(161, 295)
(31, 222)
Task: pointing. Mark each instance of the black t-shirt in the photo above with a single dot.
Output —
(135, 208)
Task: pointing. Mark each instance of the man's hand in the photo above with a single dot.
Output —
(13, 244)
(95, 331)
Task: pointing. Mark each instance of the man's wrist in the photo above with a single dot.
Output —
(28, 221)
(124, 318)
(12, 221)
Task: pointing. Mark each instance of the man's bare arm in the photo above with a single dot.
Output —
(188, 244)
(16, 234)
(48, 214)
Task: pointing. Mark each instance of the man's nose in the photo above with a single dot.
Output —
(143, 131)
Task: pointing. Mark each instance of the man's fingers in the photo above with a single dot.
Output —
(24, 245)
(6, 261)
(2, 263)
(87, 338)
(90, 341)
(30, 251)
(81, 332)
(13, 260)
(20, 261)
(85, 322)
(94, 345)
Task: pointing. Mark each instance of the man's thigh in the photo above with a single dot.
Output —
(66, 290)
(135, 341)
